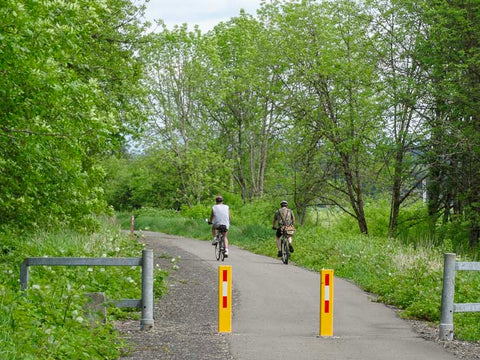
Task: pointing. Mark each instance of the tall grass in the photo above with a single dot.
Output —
(406, 274)
(49, 320)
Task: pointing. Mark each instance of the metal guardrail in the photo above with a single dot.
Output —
(448, 294)
(146, 262)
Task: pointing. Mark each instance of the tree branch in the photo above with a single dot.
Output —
(31, 132)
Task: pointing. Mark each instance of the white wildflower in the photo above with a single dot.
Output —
(104, 255)
(79, 319)
(90, 269)
(36, 287)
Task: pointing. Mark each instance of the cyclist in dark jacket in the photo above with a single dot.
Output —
(284, 217)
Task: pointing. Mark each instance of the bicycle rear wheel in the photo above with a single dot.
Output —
(218, 250)
(222, 248)
(285, 251)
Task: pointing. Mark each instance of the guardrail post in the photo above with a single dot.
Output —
(147, 290)
(132, 224)
(448, 292)
(24, 275)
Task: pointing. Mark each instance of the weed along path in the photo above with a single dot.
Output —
(275, 313)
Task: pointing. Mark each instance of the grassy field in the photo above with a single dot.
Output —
(408, 276)
(49, 321)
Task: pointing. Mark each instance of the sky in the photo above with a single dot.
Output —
(205, 13)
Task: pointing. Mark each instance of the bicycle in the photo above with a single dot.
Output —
(220, 245)
(220, 242)
(284, 246)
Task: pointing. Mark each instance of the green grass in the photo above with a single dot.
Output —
(49, 321)
(406, 275)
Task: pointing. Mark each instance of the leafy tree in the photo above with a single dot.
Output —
(68, 92)
(179, 138)
(402, 142)
(330, 90)
(240, 98)
(449, 54)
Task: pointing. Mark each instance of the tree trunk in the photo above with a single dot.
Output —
(396, 194)
(354, 194)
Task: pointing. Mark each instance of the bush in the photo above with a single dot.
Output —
(257, 212)
(196, 212)
(48, 321)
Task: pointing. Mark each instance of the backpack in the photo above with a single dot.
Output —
(289, 229)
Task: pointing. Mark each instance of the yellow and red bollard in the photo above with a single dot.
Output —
(225, 298)
(326, 303)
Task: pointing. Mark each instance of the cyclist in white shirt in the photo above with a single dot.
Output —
(220, 216)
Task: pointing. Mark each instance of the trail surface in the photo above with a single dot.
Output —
(275, 313)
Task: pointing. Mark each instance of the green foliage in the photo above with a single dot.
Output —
(377, 211)
(196, 211)
(159, 283)
(414, 226)
(161, 179)
(320, 102)
(69, 82)
(256, 212)
(451, 56)
(49, 321)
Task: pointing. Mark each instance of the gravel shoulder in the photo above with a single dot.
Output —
(464, 350)
(185, 318)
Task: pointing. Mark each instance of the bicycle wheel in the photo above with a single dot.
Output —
(222, 248)
(218, 250)
(285, 250)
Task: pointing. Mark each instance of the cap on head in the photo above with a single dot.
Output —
(284, 203)
(219, 199)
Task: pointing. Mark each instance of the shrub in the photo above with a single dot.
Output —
(48, 320)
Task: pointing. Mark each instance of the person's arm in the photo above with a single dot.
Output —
(211, 217)
(293, 217)
(274, 221)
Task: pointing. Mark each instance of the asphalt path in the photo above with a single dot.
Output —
(276, 313)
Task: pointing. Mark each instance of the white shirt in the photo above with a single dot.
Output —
(221, 215)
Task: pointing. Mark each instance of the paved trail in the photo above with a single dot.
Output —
(262, 327)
